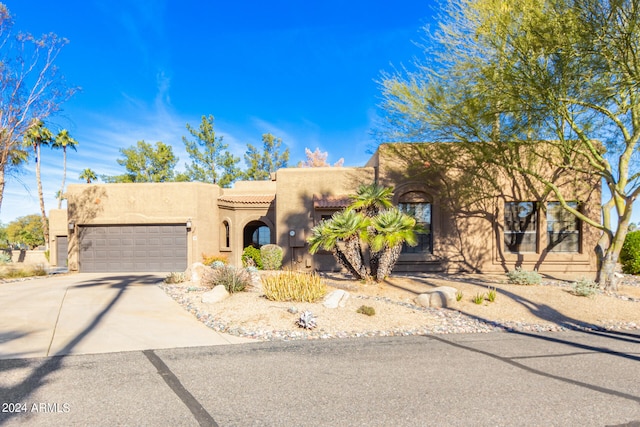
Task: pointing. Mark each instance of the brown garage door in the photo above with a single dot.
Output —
(123, 248)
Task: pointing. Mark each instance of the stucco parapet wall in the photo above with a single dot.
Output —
(251, 187)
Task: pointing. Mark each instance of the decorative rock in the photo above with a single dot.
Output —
(256, 283)
(423, 300)
(337, 298)
(217, 294)
(442, 296)
(195, 271)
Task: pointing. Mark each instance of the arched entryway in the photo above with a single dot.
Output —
(256, 234)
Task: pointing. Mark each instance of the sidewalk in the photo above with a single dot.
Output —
(95, 313)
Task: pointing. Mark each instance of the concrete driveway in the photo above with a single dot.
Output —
(95, 313)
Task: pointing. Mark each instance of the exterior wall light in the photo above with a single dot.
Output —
(72, 226)
(189, 224)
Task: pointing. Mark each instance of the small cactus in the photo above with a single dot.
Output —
(307, 320)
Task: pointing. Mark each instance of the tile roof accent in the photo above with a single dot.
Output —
(331, 202)
(248, 199)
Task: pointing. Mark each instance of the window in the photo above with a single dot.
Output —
(421, 211)
(563, 228)
(520, 226)
(227, 234)
(261, 236)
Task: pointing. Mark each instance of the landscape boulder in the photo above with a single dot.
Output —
(217, 294)
(195, 272)
(442, 296)
(335, 299)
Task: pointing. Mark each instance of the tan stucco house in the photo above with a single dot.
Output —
(167, 226)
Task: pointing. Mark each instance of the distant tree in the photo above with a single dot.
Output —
(36, 137)
(211, 161)
(30, 88)
(63, 141)
(88, 175)
(26, 230)
(144, 163)
(4, 238)
(317, 159)
(262, 164)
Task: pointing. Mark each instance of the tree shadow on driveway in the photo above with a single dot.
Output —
(38, 377)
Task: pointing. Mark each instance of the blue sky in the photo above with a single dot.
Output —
(304, 71)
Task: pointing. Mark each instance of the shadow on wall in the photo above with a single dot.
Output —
(296, 248)
(469, 194)
(82, 209)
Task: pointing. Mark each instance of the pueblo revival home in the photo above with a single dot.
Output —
(165, 227)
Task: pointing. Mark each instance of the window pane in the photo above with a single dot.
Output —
(520, 226)
(563, 230)
(422, 213)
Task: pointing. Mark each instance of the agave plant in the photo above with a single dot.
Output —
(307, 320)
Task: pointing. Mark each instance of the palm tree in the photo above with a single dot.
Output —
(36, 136)
(371, 199)
(393, 229)
(342, 234)
(88, 175)
(63, 140)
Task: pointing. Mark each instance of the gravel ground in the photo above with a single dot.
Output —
(251, 315)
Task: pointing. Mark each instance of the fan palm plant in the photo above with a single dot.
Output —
(393, 229)
(342, 234)
(371, 199)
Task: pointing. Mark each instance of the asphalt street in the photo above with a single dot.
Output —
(497, 379)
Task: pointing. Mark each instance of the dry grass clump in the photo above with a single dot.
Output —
(294, 286)
(14, 272)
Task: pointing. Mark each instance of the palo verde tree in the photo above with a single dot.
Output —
(31, 89)
(210, 159)
(371, 221)
(262, 164)
(499, 76)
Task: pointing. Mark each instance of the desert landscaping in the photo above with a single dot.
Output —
(548, 306)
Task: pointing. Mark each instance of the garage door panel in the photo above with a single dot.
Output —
(133, 248)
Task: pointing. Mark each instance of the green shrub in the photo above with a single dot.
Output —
(584, 287)
(233, 279)
(294, 286)
(210, 259)
(630, 253)
(492, 294)
(174, 278)
(524, 277)
(271, 256)
(365, 309)
(459, 296)
(251, 257)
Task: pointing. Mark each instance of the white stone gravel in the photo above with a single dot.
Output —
(448, 321)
